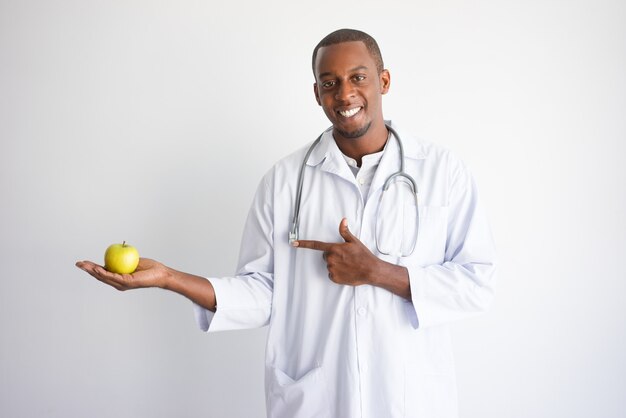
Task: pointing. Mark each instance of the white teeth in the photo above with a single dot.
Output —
(349, 113)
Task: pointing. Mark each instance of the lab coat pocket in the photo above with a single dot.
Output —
(431, 236)
(302, 398)
(396, 222)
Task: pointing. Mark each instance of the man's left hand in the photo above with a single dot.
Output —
(349, 262)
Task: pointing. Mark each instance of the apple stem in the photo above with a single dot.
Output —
(124, 244)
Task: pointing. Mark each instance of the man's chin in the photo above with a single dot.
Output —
(357, 133)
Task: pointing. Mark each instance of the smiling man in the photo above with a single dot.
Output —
(349, 86)
(358, 309)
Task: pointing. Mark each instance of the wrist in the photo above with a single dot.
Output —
(169, 277)
(393, 278)
(377, 272)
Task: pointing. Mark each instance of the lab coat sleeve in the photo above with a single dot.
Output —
(463, 284)
(244, 301)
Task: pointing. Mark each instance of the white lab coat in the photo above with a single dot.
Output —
(343, 351)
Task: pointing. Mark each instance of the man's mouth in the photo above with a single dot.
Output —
(350, 112)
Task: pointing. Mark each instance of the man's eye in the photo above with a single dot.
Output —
(359, 77)
(328, 84)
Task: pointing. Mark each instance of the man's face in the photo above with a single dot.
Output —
(349, 88)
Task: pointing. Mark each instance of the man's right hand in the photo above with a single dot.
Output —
(149, 273)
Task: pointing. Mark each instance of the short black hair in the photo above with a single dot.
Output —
(351, 35)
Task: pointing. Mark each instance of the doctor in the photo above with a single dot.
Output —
(354, 331)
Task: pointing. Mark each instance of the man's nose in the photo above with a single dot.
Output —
(344, 91)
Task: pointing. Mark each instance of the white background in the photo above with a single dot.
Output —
(153, 121)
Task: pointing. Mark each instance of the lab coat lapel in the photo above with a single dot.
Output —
(329, 158)
(389, 164)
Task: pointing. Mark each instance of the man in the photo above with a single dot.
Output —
(354, 330)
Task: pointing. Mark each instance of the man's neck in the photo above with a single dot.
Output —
(373, 141)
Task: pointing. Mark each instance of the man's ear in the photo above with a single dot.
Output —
(385, 81)
(317, 95)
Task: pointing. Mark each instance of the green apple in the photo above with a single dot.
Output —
(121, 258)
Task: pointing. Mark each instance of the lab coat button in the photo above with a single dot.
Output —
(361, 311)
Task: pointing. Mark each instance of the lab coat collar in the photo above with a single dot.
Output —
(328, 152)
(328, 155)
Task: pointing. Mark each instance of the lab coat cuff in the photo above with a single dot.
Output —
(414, 314)
(203, 317)
(209, 321)
(232, 311)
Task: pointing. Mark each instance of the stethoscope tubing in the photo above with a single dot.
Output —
(295, 225)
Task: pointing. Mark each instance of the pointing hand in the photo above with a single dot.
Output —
(349, 262)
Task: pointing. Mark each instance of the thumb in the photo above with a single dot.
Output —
(345, 232)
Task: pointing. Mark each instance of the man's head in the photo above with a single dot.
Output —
(351, 35)
(349, 83)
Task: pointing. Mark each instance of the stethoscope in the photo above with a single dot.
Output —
(400, 175)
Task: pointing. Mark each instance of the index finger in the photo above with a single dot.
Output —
(313, 245)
